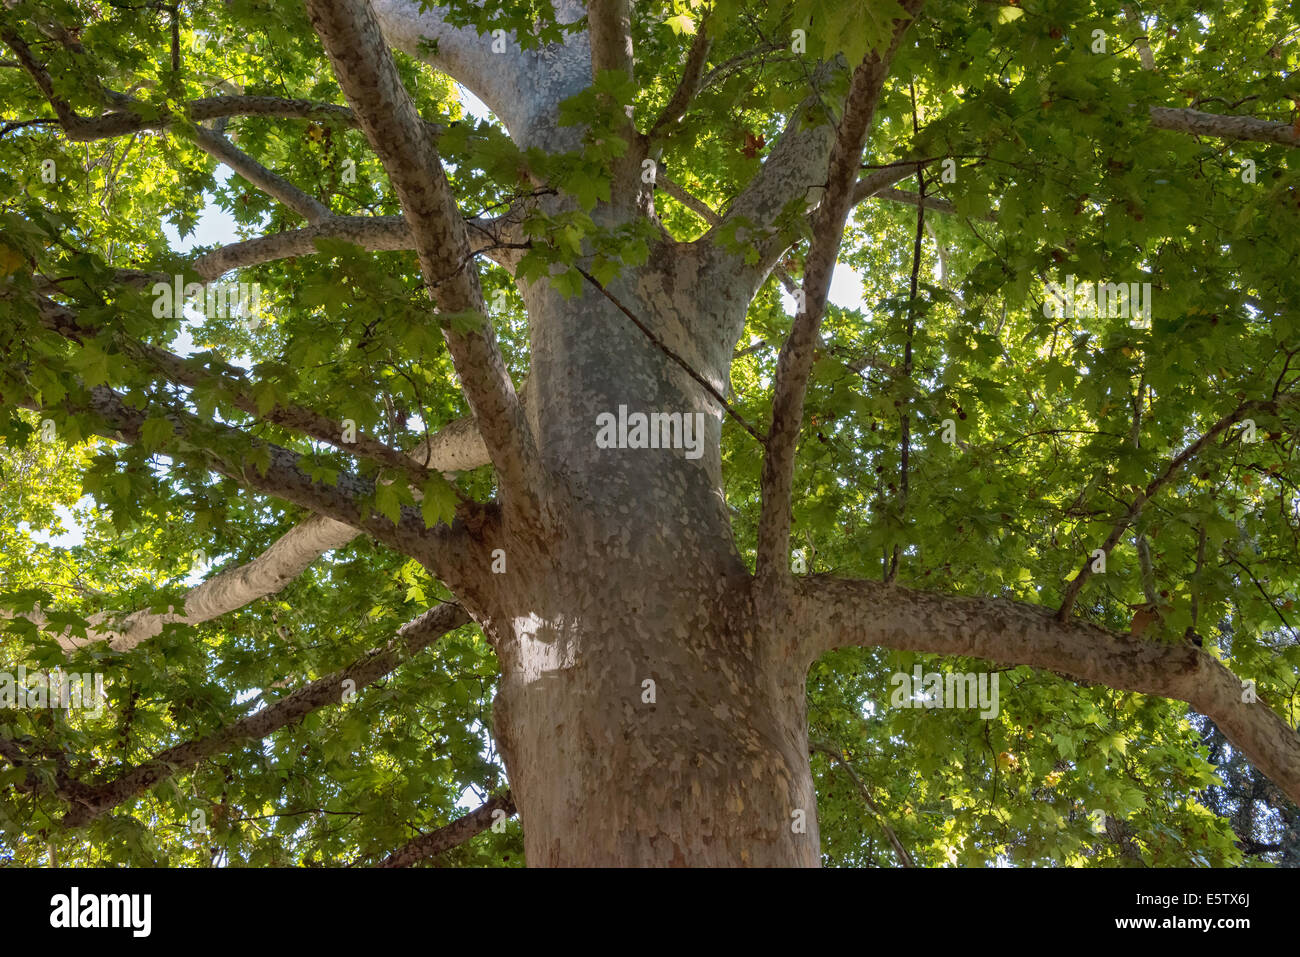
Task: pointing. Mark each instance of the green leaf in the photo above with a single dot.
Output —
(155, 432)
(568, 283)
(388, 503)
(439, 502)
(465, 322)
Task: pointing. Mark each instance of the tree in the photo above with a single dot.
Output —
(607, 443)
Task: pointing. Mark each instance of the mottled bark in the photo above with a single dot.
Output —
(642, 583)
(1222, 126)
(839, 612)
(522, 87)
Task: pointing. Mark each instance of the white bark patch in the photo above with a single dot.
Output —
(540, 649)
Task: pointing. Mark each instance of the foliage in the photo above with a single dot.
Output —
(1058, 173)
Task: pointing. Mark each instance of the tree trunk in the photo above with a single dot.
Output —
(642, 722)
(646, 714)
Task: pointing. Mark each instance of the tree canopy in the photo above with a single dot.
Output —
(966, 429)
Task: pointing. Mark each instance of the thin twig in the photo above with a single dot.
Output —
(903, 857)
(659, 343)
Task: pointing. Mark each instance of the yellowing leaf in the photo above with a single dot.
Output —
(11, 260)
(681, 24)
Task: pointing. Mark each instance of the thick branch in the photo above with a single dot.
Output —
(879, 180)
(936, 203)
(370, 82)
(236, 389)
(609, 26)
(841, 612)
(702, 209)
(496, 238)
(452, 835)
(414, 636)
(689, 200)
(287, 558)
(1145, 55)
(345, 501)
(126, 121)
(456, 447)
(793, 173)
(522, 87)
(688, 88)
(223, 151)
(1223, 127)
(609, 23)
(794, 364)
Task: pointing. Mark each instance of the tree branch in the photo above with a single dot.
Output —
(274, 185)
(841, 612)
(793, 173)
(702, 209)
(522, 87)
(411, 638)
(879, 180)
(451, 835)
(609, 23)
(494, 237)
(1221, 126)
(905, 418)
(214, 144)
(1155, 485)
(370, 82)
(691, 83)
(287, 558)
(1145, 55)
(690, 201)
(794, 365)
(609, 26)
(234, 387)
(126, 121)
(282, 477)
(904, 858)
(456, 447)
(68, 118)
